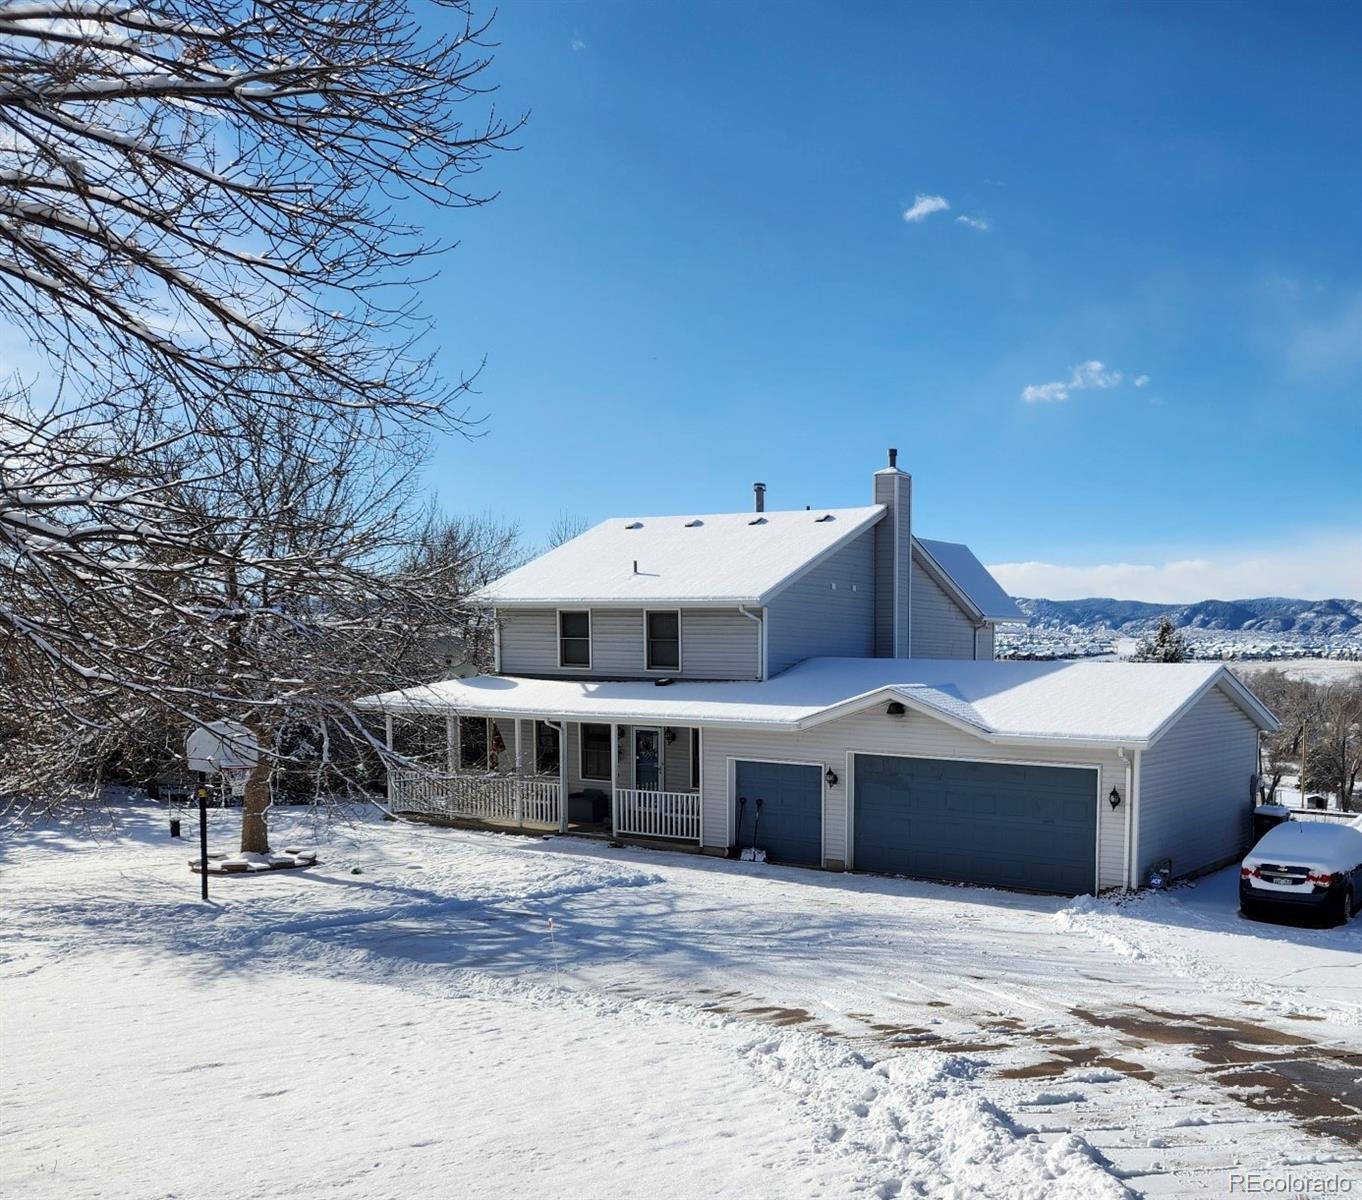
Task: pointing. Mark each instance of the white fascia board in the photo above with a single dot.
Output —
(682, 716)
(796, 575)
(617, 602)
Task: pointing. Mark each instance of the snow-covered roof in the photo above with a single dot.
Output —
(972, 580)
(724, 558)
(1104, 703)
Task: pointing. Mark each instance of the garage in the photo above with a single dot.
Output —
(790, 829)
(998, 824)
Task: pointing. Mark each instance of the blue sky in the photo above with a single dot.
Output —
(699, 273)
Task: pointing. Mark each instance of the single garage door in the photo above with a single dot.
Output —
(791, 795)
(988, 823)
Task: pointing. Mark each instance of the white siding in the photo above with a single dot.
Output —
(676, 760)
(1194, 788)
(875, 733)
(983, 643)
(716, 643)
(941, 629)
(829, 612)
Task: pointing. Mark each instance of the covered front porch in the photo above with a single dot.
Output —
(608, 779)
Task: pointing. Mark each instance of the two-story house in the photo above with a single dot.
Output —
(821, 683)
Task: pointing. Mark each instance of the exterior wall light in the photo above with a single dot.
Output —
(1114, 799)
(831, 777)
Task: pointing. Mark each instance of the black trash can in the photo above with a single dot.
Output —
(174, 826)
(1267, 816)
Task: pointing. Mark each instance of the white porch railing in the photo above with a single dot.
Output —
(657, 814)
(505, 799)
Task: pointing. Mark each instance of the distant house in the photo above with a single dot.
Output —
(821, 683)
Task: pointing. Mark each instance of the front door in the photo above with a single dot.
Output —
(648, 759)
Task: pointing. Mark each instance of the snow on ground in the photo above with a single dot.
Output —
(483, 1015)
(1313, 670)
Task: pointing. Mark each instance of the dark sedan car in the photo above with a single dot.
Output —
(1307, 868)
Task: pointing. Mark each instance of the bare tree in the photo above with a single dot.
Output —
(460, 555)
(565, 527)
(198, 226)
(1335, 758)
(196, 192)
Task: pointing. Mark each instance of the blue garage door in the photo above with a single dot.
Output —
(791, 825)
(988, 823)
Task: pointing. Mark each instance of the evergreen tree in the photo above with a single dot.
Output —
(1168, 645)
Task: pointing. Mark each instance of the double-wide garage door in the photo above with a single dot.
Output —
(972, 822)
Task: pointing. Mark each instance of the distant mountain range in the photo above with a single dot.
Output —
(1268, 614)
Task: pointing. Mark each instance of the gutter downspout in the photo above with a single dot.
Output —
(1135, 820)
(1130, 807)
(761, 640)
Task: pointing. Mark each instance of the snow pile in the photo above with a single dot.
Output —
(1196, 932)
(918, 1124)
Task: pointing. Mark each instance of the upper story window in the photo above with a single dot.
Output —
(664, 640)
(574, 639)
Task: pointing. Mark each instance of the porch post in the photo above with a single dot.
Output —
(563, 776)
(451, 744)
(614, 779)
(388, 741)
(519, 773)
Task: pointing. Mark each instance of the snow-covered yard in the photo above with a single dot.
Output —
(480, 1015)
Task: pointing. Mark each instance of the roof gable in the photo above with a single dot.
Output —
(724, 558)
(970, 579)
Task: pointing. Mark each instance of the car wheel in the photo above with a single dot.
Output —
(1346, 906)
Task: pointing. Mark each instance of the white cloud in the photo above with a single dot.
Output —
(982, 224)
(923, 207)
(1321, 566)
(578, 44)
(1141, 380)
(1091, 374)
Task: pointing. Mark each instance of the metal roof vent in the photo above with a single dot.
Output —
(695, 524)
(824, 517)
(634, 525)
(758, 521)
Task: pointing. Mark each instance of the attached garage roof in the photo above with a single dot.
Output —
(1103, 703)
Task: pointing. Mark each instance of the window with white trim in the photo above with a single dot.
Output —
(664, 640)
(574, 638)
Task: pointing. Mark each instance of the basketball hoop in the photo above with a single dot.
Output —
(234, 780)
